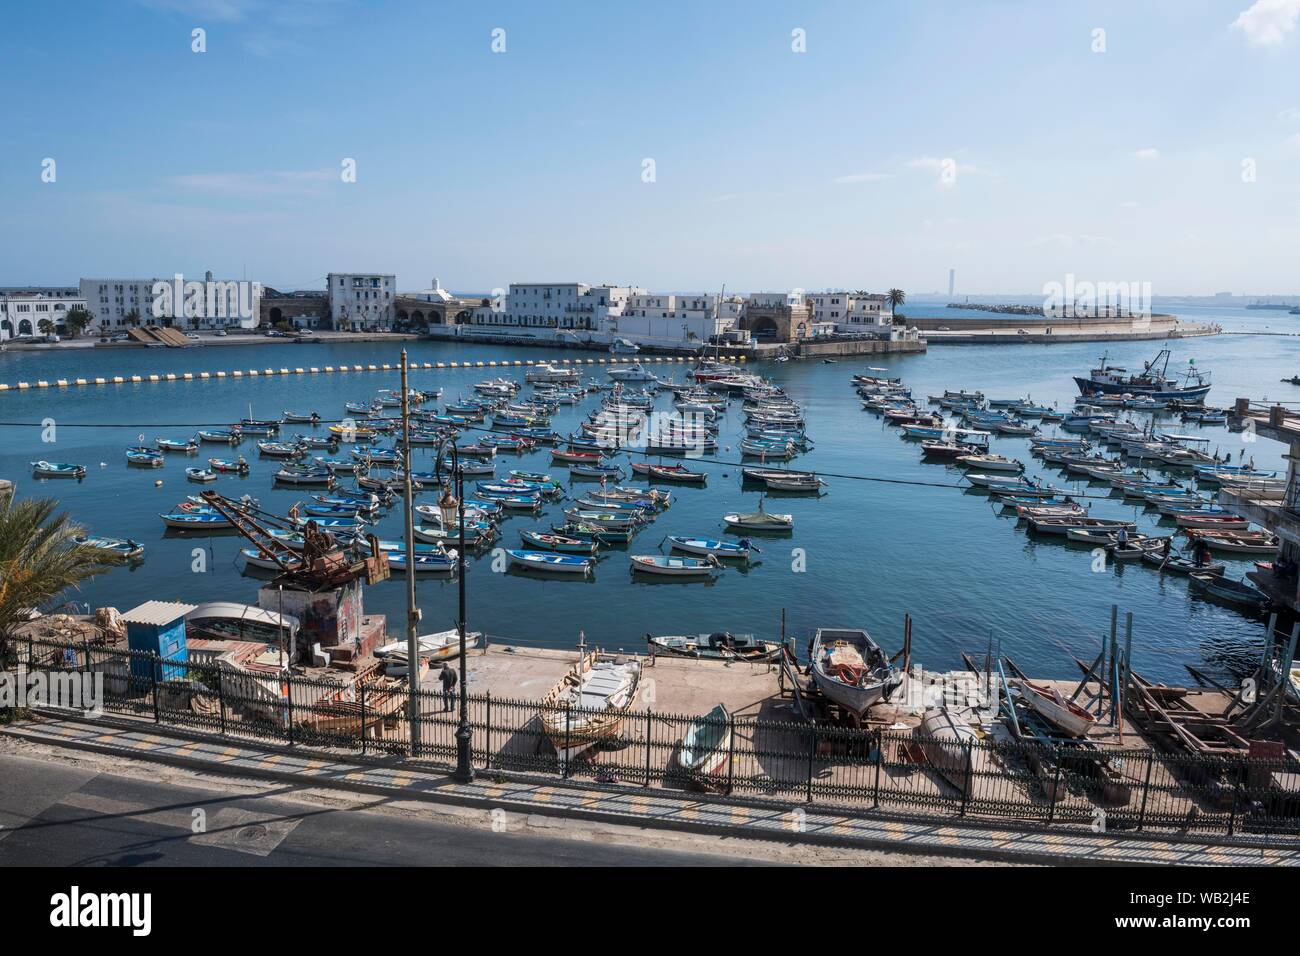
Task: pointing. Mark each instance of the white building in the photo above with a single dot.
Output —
(556, 308)
(22, 310)
(174, 301)
(862, 312)
(361, 302)
(677, 319)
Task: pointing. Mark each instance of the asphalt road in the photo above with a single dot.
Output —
(57, 815)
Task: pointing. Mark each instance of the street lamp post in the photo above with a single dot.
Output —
(452, 508)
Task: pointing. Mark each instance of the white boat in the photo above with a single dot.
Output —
(990, 463)
(624, 347)
(706, 747)
(635, 372)
(200, 475)
(551, 373)
(670, 566)
(1058, 710)
(851, 669)
(952, 746)
(759, 520)
(551, 561)
(442, 646)
(587, 705)
(47, 469)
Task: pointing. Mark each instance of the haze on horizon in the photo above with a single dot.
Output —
(1008, 139)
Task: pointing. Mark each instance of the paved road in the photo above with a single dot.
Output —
(56, 815)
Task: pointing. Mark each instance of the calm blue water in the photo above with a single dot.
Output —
(873, 550)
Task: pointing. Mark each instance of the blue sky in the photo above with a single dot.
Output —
(773, 169)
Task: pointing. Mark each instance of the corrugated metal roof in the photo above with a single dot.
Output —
(157, 612)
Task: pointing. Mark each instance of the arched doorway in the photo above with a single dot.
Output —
(7, 328)
(24, 326)
(462, 317)
(276, 315)
(763, 328)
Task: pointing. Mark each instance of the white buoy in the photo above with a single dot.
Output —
(158, 483)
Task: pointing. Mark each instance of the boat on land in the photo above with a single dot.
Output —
(720, 645)
(1237, 593)
(705, 750)
(441, 646)
(200, 475)
(852, 670)
(589, 702)
(122, 549)
(1056, 709)
(672, 566)
(951, 745)
(549, 561)
(713, 547)
(541, 541)
(52, 469)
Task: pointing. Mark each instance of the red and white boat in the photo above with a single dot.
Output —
(1062, 712)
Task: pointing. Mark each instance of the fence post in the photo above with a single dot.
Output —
(153, 677)
(731, 755)
(1146, 788)
(1056, 784)
(812, 756)
(567, 710)
(288, 697)
(649, 732)
(221, 699)
(880, 759)
(965, 790)
(487, 731)
(361, 690)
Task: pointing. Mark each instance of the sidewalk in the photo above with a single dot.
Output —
(632, 807)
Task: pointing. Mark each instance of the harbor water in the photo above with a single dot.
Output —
(891, 535)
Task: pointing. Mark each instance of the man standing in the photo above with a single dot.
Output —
(448, 678)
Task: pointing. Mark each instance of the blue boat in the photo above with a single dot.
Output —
(713, 546)
(1153, 381)
(144, 458)
(196, 520)
(550, 561)
(439, 562)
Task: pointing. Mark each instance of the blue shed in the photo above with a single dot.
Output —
(158, 627)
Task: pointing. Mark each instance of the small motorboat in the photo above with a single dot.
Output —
(808, 485)
(1058, 710)
(235, 465)
(557, 542)
(671, 566)
(144, 458)
(51, 469)
(549, 561)
(705, 749)
(713, 547)
(595, 471)
(124, 550)
(221, 436)
(720, 645)
(256, 559)
(312, 418)
(588, 703)
(759, 520)
(279, 449)
(196, 521)
(426, 562)
(200, 475)
(186, 445)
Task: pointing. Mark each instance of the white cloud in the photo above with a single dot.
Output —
(1068, 241)
(863, 177)
(1149, 152)
(1290, 114)
(303, 182)
(1268, 22)
(1129, 204)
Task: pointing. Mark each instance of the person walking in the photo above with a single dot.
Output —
(448, 678)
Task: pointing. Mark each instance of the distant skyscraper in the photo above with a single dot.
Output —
(952, 281)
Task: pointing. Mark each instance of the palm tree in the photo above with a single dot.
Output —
(895, 298)
(39, 560)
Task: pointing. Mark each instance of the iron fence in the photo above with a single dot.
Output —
(1016, 782)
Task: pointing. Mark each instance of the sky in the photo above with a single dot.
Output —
(675, 146)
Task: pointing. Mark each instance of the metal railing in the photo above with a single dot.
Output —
(1019, 782)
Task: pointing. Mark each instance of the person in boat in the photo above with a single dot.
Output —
(1121, 539)
(130, 543)
(448, 678)
(1202, 554)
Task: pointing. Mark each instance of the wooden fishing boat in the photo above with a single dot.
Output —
(1177, 564)
(432, 648)
(311, 418)
(705, 749)
(595, 471)
(851, 669)
(235, 465)
(1058, 710)
(220, 436)
(256, 559)
(594, 532)
(425, 562)
(670, 566)
(1246, 543)
(1237, 593)
(713, 547)
(200, 475)
(277, 449)
(759, 520)
(1062, 524)
(624, 521)
(720, 645)
(951, 745)
(549, 561)
(196, 521)
(1212, 522)
(989, 462)
(811, 485)
(541, 541)
(674, 473)
(314, 477)
(575, 457)
(51, 469)
(177, 444)
(589, 702)
(124, 550)
(144, 458)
